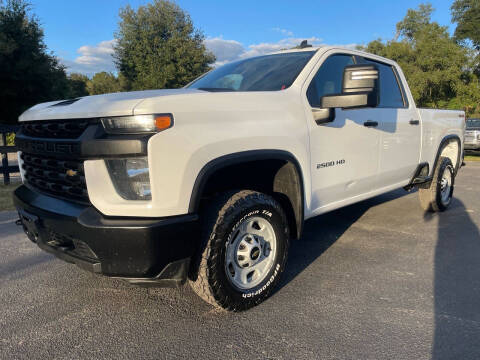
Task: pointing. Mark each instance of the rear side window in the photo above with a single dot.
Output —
(390, 92)
(328, 79)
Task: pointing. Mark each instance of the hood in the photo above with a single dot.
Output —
(116, 104)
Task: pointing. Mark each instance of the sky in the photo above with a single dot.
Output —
(81, 32)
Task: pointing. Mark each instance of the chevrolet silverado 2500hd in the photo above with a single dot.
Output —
(210, 183)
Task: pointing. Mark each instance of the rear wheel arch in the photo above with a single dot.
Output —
(449, 147)
(283, 178)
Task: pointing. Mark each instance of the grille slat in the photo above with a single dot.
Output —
(64, 129)
(63, 178)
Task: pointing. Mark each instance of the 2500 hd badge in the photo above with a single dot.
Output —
(330, 163)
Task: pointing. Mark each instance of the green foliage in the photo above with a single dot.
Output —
(28, 74)
(10, 139)
(414, 21)
(104, 82)
(158, 47)
(466, 13)
(77, 86)
(439, 70)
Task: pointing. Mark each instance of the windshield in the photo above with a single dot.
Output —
(473, 123)
(263, 73)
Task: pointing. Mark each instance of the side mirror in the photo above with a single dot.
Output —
(360, 89)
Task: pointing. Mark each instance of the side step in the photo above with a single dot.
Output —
(421, 178)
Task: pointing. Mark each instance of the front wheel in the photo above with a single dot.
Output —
(245, 245)
(439, 195)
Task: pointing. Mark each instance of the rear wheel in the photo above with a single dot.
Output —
(245, 244)
(439, 195)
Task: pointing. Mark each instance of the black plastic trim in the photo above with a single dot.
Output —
(242, 157)
(94, 143)
(424, 182)
(126, 247)
(417, 179)
(444, 143)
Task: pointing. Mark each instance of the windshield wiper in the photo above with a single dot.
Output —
(212, 89)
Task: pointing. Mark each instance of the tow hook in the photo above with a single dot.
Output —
(28, 224)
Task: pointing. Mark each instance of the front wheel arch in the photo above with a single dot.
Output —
(285, 181)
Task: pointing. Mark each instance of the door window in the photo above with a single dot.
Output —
(328, 79)
(390, 93)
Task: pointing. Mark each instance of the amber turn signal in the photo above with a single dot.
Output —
(163, 122)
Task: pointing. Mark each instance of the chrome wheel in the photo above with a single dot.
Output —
(446, 186)
(250, 252)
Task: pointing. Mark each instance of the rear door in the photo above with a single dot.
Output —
(399, 129)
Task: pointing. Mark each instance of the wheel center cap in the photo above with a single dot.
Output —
(255, 253)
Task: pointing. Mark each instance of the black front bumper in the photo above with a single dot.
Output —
(141, 250)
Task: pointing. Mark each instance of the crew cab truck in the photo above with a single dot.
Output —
(209, 183)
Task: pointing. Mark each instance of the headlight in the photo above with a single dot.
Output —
(137, 123)
(130, 177)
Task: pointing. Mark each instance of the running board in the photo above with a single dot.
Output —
(421, 178)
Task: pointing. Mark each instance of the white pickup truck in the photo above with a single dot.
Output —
(210, 183)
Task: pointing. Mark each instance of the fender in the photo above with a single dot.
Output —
(298, 201)
(442, 145)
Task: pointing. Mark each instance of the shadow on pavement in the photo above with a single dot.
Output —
(457, 285)
(322, 231)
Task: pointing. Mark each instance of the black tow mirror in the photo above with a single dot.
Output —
(360, 89)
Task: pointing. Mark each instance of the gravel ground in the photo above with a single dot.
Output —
(376, 280)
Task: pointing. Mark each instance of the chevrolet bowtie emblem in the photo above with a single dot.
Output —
(71, 172)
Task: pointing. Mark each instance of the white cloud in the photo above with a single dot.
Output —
(265, 48)
(97, 58)
(283, 31)
(224, 50)
(92, 59)
(231, 50)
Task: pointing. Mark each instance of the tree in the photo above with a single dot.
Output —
(439, 71)
(102, 83)
(414, 21)
(77, 85)
(157, 46)
(466, 13)
(28, 74)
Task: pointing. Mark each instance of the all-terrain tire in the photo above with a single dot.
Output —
(222, 222)
(437, 198)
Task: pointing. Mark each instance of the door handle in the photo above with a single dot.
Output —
(370, 123)
(414, 122)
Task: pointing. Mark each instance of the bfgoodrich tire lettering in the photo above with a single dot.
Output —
(224, 217)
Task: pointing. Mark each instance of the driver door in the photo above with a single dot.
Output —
(345, 151)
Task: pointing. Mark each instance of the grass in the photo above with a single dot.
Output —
(472, 156)
(6, 201)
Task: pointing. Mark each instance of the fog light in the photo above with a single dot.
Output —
(130, 177)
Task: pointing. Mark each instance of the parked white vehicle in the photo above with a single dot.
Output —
(472, 135)
(209, 183)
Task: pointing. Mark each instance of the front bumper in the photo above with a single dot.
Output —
(472, 145)
(141, 250)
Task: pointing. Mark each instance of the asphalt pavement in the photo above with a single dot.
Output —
(377, 280)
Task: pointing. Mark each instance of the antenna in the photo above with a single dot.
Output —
(304, 44)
